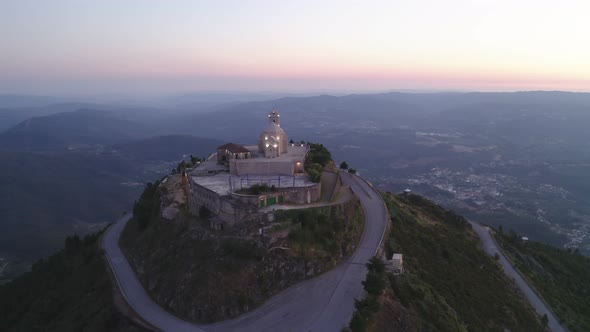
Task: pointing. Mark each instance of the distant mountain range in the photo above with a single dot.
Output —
(74, 164)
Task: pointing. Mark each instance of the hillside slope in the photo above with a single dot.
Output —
(450, 284)
(560, 276)
(203, 275)
(69, 291)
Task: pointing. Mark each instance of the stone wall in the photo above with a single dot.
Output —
(261, 166)
(235, 208)
(227, 211)
(302, 195)
(201, 196)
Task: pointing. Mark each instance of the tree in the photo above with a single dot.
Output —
(204, 212)
(545, 320)
(291, 141)
(72, 244)
(352, 171)
(375, 280)
(147, 208)
(376, 265)
(496, 256)
(343, 165)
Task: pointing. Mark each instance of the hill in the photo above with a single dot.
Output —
(204, 275)
(560, 276)
(69, 291)
(449, 283)
(70, 130)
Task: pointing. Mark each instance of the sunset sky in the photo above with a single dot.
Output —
(157, 46)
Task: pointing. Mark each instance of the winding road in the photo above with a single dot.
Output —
(324, 303)
(490, 247)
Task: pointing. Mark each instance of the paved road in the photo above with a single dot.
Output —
(324, 303)
(491, 248)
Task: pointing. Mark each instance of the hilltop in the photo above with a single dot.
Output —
(206, 275)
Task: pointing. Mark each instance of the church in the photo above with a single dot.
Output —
(273, 141)
(273, 155)
(220, 183)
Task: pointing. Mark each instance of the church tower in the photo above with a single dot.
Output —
(273, 141)
(274, 117)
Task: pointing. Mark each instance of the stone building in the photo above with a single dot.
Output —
(231, 151)
(218, 183)
(273, 141)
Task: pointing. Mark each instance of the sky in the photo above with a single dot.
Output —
(168, 46)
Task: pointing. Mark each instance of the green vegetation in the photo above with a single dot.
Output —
(257, 189)
(183, 164)
(450, 284)
(343, 165)
(374, 284)
(197, 275)
(69, 291)
(147, 209)
(323, 232)
(560, 276)
(317, 158)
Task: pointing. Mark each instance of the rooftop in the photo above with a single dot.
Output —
(219, 183)
(233, 148)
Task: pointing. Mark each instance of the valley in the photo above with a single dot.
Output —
(500, 169)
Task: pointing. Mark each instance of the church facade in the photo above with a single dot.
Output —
(273, 155)
(218, 182)
(273, 141)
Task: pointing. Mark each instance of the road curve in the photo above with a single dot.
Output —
(324, 303)
(490, 247)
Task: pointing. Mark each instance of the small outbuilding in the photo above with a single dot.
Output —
(397, 264)
(232, 151)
